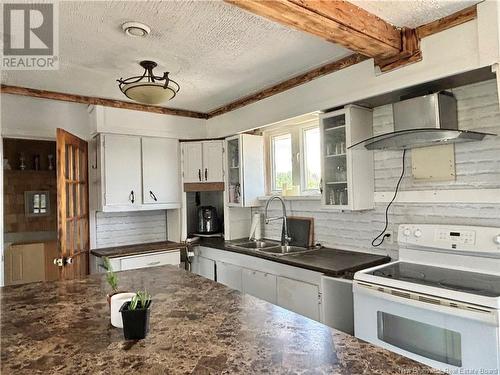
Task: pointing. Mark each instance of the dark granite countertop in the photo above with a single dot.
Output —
(331, 262)
(197, 327)
(143, 248)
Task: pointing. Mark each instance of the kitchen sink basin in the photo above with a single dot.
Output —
(285, 250)
(256, 244)
(270, 247)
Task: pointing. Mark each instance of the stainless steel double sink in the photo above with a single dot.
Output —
(270, 247)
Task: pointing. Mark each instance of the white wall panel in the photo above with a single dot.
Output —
(126, 228)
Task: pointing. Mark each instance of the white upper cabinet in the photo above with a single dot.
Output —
(203, 161)
(135, 173)
(245, 166)
(160, 171)
(348, 180)
(213, 161)
(192, 153)
(122, 172)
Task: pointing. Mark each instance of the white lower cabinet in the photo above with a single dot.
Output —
(125, 263)
(259, 284)
(158, 259)
(298, 296)
(338, 306)
(229, 275)
(292, 288)
(204, 267)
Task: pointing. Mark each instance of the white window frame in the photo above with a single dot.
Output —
(298, 152)
(303, 176)
(271, 160)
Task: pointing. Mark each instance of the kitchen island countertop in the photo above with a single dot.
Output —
(197, 327)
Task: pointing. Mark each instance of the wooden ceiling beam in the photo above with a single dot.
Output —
(53, 95)
(455, 19)
(339, 22)
(290, 83)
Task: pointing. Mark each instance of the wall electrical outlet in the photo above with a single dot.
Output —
(390, 238)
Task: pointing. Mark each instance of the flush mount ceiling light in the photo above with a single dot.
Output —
(136, 29)
(148, 88)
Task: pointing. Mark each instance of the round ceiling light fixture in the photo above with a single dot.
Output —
(148, 88)
(136, 29)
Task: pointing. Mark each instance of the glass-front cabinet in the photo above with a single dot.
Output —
(245, 170)
(234, 175)
(347, 182)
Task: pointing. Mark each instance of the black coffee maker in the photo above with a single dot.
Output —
(208, 221)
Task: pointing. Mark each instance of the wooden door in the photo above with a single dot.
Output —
(160, 171)
(72, 206)
(212, 161)
(192, 161)
(122, 172)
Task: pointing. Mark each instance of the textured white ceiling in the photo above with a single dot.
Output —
(217, 52)
(412, 13)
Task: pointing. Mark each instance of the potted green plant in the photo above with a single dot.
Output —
(115, 298)
(111, 278)
(135, 315)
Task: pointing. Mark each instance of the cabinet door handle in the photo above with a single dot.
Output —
(206, 174)
(154, 263)
(199, 174)
(153, 196)
(132, 197)
(321, 185)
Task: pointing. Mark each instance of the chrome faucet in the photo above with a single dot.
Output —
(285, 239)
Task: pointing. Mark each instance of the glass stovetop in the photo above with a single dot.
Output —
(462, 281)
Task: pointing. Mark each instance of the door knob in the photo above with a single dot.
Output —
(61, 262)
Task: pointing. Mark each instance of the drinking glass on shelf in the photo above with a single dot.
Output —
(331, 198)
(338, 148)
(343, 197)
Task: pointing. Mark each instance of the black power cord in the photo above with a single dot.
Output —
(383, 234)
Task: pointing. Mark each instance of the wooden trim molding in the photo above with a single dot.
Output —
(290, 83)
(455, 19)
(53, 95)
(203, 186)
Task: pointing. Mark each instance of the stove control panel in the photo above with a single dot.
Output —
(467, 237)
(451, 237)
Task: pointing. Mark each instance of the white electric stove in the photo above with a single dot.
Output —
(440, 302)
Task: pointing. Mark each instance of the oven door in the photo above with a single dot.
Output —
(446, 335)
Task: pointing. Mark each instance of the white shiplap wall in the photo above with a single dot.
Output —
(127, 228)
(477, 167)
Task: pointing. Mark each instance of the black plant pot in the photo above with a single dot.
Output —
(135, 322)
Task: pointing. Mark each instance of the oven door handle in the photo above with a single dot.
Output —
(422, 301)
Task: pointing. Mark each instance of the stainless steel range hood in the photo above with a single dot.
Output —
(423, 121)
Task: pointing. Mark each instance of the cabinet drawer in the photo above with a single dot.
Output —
(150, 260)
